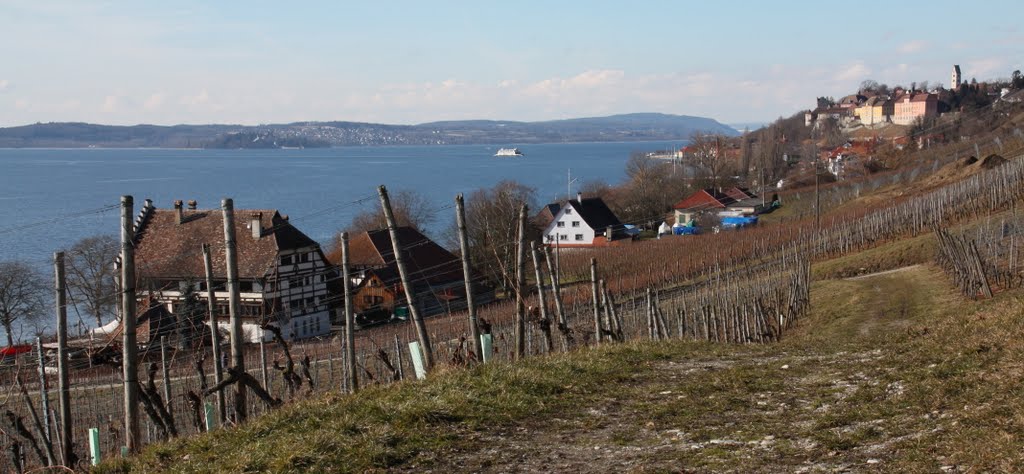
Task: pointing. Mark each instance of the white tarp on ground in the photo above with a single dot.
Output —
(108, 328)
(664, 228)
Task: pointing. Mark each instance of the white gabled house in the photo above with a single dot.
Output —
(583, 223)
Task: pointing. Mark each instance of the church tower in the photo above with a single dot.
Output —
(955, 81)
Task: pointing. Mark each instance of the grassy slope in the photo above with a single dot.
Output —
(891, 373)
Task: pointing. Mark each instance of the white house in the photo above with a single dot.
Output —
(284, 278)
(583, 223)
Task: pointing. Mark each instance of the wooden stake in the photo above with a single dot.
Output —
(234, 307)
(128, 319)
(563, 325)
(520, 283)
(597, 301)
(63, 385)
(211, 307)
(350, 321)
(410, 296)
(467, 274)
(545, 321)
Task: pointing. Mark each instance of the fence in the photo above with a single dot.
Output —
(745, 287)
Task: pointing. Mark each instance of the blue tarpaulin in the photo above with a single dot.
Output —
(739, 221)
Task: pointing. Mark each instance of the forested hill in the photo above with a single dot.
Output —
(628, 127)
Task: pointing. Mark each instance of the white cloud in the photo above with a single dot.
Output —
(912, 46)
(986, 68)
(199, 99)
(854, 72)
(154, 101)
(109, 104)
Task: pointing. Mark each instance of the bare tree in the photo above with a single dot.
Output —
(410, 208)
(491, 224)
(91, 275)
(22, 296)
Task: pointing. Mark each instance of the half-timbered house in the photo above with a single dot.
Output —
(283, 276)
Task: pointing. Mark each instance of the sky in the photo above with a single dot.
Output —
(412, 62)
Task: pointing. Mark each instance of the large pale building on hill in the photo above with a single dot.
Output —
(956, 79)
(912, 106)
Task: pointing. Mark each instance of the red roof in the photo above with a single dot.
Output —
(704, 199)
(424, 259)
(738, 193)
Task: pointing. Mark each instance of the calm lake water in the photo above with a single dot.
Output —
(43, 191)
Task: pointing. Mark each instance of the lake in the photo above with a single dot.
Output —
(46, 195)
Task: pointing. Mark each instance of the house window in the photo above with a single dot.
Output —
(286, 260)
(562, 237)
(245, 286)
(579, 237)
(294, 282)
(304, 258)
(568, 211)
(575, 223)
(561, 224)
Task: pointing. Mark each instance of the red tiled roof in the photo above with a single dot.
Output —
(738, 193)
(166, 249)
(703, 199)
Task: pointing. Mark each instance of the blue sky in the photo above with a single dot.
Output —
(411, 62)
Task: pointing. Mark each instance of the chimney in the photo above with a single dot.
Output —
(579, 198)
(178, 209)
(254, 225)
(608, 233)
(192, 204)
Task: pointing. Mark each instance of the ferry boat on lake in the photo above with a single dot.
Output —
(509, 152)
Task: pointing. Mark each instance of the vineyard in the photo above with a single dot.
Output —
(742, 287)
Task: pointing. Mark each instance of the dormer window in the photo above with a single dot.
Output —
(568, 210)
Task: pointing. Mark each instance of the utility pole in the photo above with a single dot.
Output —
(211, 305)
(63, 385)
(234, 303)
(129, 345)
(350, 321)
(520, 328)
(414, 312)
(467, 274)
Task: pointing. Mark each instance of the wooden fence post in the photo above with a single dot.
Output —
(63, 385)
(211, 306)
(234, 307)
(128, 319)
(520, 283)
(467, 274)
(410, 294)
(350, 321)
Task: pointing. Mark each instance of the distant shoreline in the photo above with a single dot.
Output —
(485, 145)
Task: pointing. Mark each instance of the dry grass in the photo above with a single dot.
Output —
(891, 373)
